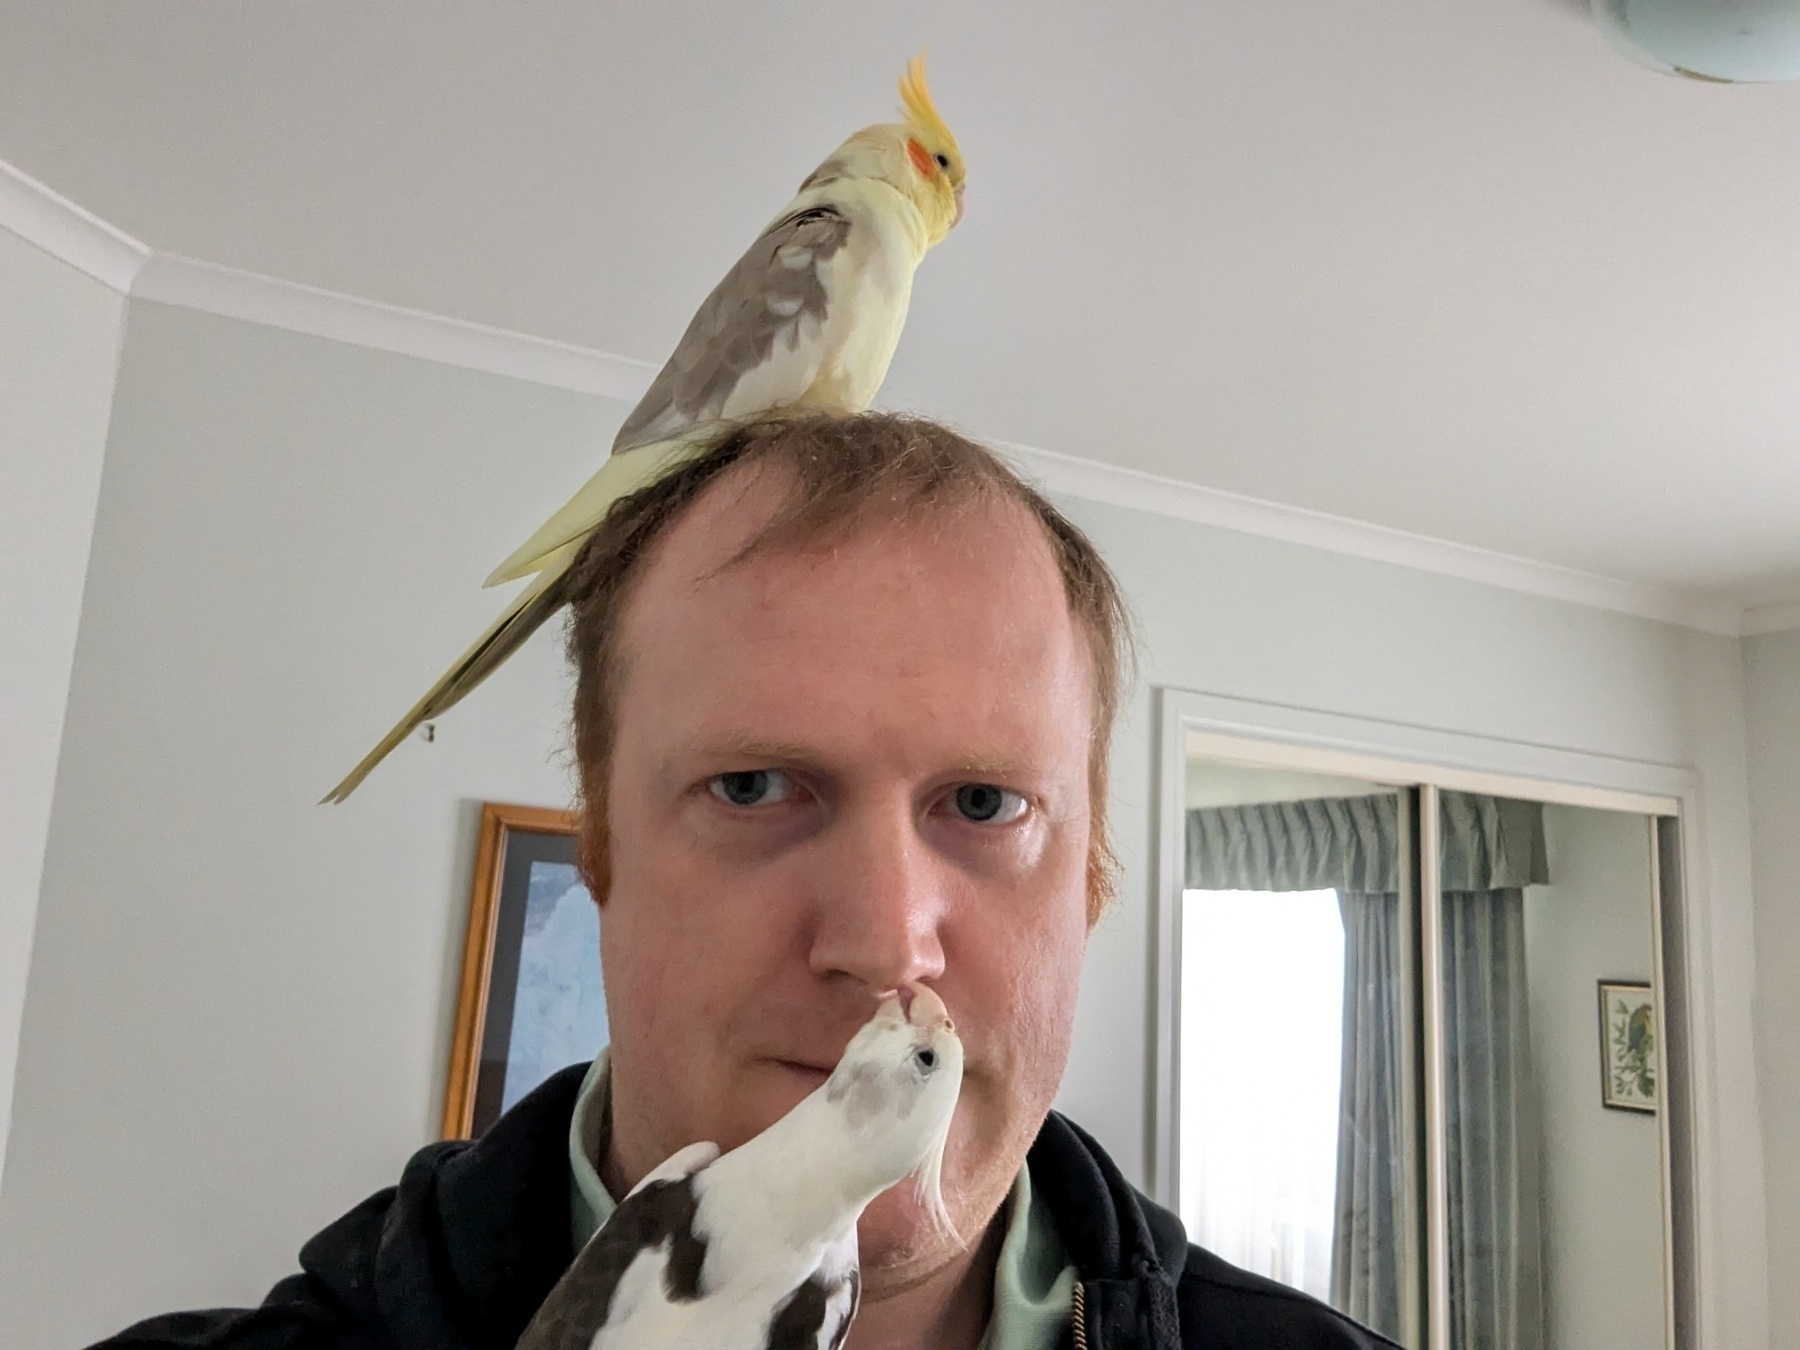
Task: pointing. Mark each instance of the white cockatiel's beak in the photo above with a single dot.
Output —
(920, 1006)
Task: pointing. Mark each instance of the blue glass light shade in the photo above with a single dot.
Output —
(1736, 40)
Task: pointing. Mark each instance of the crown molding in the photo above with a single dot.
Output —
(72, 234)
(1339, 534)
(173, 280)
(1761, 619)
(81, 239)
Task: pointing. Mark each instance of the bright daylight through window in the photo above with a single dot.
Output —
(1261, 1045)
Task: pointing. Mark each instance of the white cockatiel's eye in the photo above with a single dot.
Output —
(752, 787)
(926, 1058)
(986, 804)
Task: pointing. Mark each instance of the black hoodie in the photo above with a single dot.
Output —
(459, 1255)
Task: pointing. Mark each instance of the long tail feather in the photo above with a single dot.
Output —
(621, 475)
(523, 617)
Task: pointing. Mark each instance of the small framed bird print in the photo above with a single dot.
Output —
(531, 1000)
(1630, 1073)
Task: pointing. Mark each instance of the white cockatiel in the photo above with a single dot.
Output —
(756, 1249)
(807, 320)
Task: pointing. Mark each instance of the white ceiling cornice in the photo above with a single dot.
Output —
(264, 300)
(1360, 539)
(64, 230)
(1760, 619)
(81, 239)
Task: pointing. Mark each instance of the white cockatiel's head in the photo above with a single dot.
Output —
(918, 157)
(895, 1090)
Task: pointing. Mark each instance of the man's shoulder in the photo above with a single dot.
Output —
(1225, 1308)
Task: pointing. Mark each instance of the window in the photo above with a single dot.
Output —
(1261, 1035)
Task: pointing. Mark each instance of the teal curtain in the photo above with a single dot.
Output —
(1377, 1247)
(1491, 849)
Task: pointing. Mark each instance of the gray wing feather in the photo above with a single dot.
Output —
(578, 1307)
(765, 298)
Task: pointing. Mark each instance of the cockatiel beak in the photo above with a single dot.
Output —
(957, 219)
(919, 1006)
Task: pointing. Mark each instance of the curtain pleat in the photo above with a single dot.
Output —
(1376, 1268)
(1353, 844)
(1330, 843)
(1492, 1124)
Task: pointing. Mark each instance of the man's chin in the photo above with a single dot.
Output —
(896, 1235)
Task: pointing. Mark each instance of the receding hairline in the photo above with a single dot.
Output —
(780, 532)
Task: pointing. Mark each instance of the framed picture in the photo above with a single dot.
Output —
(531, 999)
(1630, 1075)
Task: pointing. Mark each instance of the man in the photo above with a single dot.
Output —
(845, 690)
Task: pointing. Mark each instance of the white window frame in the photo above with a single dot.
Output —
(1276, 736)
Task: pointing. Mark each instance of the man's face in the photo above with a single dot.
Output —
(836, 771)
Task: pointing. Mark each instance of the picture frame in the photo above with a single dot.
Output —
(531, 998)
(1630, 1058)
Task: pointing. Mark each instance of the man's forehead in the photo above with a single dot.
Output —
(972, 586)
(750, 514)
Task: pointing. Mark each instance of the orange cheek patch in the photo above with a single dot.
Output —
(921, 158)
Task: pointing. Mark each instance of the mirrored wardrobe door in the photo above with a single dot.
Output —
(1298, 1040)
(1550, 1079)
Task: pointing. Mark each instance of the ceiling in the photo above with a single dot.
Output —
(1454, 268)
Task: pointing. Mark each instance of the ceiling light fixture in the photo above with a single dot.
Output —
(1730, 41)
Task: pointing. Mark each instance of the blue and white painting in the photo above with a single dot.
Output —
(559, 1012)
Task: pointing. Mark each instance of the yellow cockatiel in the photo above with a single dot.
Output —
(808, 319)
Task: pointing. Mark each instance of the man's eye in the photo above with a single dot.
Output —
(752, 787)
(986, 804)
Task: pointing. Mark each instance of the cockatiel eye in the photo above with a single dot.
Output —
(760, 342)
(706, 1250)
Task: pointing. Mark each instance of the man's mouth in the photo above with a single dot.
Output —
(812, 1073)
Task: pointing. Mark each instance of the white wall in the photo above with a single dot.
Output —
(59, 344)
(1772, 699)
(1602, 1169)
(239, 1002)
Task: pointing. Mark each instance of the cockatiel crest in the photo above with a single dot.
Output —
(756, 1249)
(933, 154)
(806, 321)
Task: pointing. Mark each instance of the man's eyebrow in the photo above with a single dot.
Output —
(756, 750)
(752, 749)
(1000, 768)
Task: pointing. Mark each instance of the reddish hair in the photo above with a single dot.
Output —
(841, 472)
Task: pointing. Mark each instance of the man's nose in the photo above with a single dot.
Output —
(881, 899)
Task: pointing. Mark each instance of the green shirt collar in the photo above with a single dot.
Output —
(1033, 1281)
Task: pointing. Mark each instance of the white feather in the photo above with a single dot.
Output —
(780, 1211)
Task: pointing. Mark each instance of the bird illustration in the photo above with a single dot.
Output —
(807, 320)
(1640, 1047)
(756, 1249)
